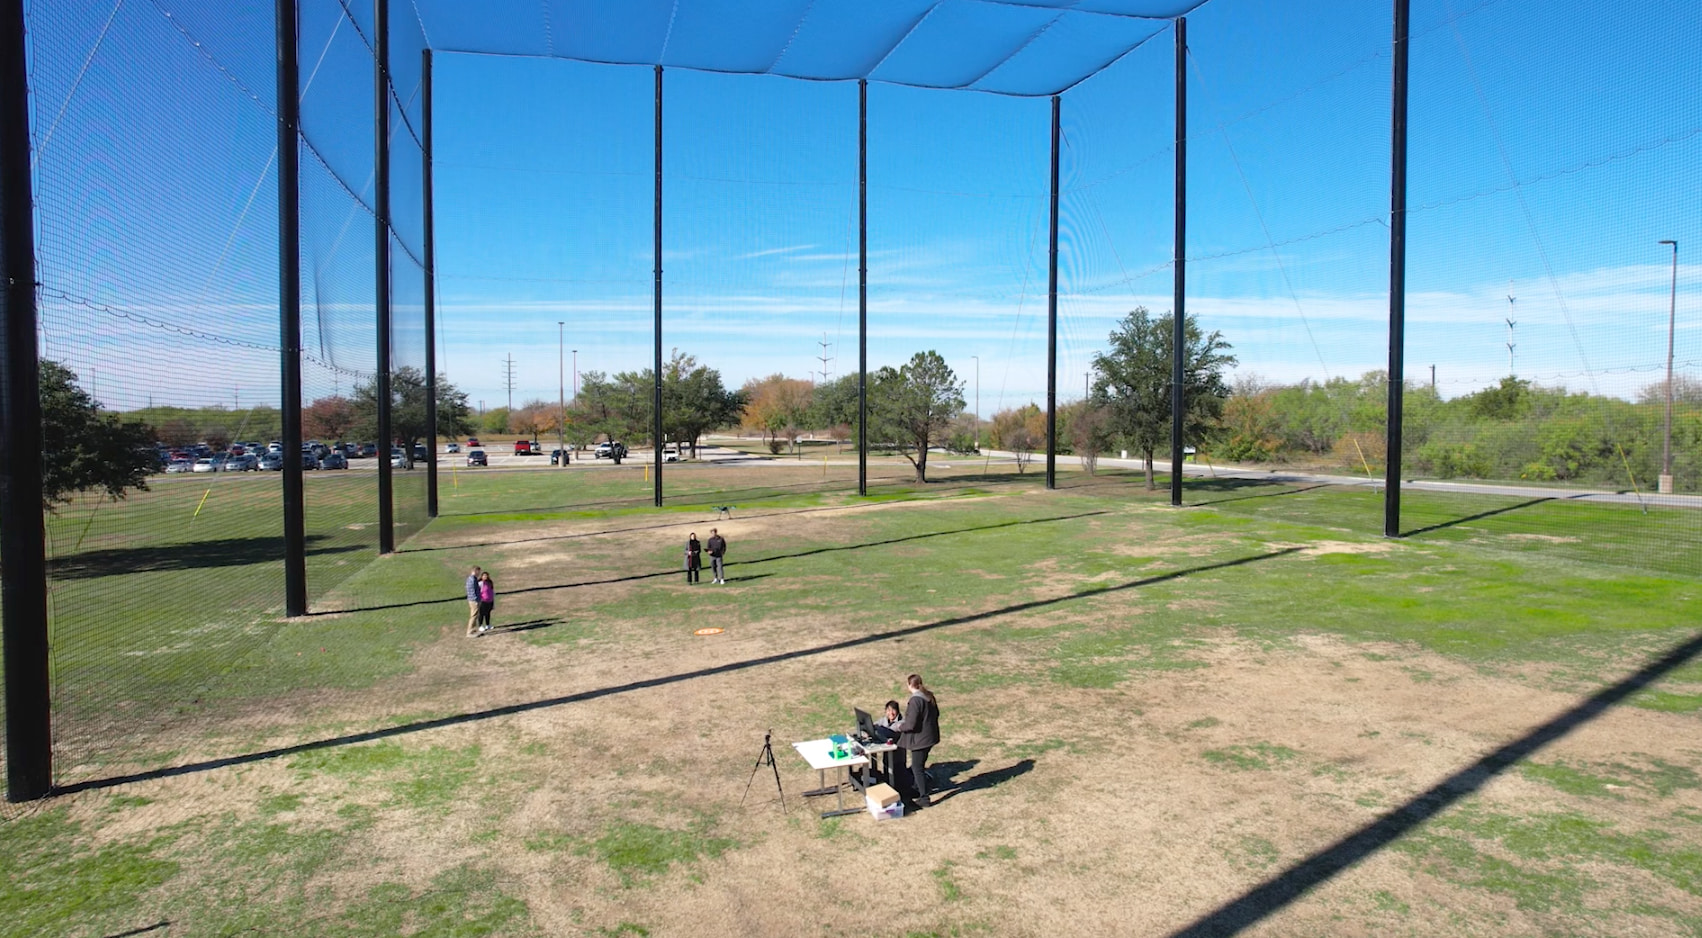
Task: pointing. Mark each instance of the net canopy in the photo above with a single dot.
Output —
(1031, 48)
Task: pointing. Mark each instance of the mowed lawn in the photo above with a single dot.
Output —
(1151, 714)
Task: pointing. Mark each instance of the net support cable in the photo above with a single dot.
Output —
(289, 304)
(1179, 300)
(430, 269)
(1397, 273)
(23, 557)
(381, 269)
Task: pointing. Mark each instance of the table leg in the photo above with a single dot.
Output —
(821, 780)
(842, 809)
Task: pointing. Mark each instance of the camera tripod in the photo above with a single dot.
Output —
(766, 757)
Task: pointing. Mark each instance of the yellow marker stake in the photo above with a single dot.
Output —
(197, 513)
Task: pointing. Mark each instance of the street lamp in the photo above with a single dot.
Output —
(977, 402)
(561, 395)
(1665, 486)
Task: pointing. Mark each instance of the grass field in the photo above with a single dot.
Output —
(1250, 714)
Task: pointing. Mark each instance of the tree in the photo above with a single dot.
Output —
(407, 408)
(776, 407)
(494, 420)
(1089, 432)
(1132, 380)
(910, 406)
(328, 418)
(694, 400)
(1020, 430)
(83, 449)
(611, 407)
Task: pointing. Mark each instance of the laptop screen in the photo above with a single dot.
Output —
(865, 723)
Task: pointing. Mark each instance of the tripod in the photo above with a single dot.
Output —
(766, 757)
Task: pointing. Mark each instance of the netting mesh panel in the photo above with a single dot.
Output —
(155, 196)
(1541, 187)
(958, 215)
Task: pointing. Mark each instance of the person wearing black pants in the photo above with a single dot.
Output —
(694, 557)
(918, 734)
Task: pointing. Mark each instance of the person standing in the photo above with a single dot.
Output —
(487, 601)
(717, 550)
(473, 601)
(694, 557)
(918, 734)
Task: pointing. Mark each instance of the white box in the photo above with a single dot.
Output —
(894, 810)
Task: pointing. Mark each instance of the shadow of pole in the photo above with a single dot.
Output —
(1477, 517)
(1274, 894)
(647, 683)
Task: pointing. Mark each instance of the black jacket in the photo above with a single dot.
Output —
(920, 728)
(717, 546)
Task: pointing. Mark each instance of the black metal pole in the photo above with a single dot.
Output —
(862, 286)
(289, 304)
(656, 391)
(430, 285)
(1179, 253)
(381, 266)
(1397, 275)
(23, 561)
(1052, 316)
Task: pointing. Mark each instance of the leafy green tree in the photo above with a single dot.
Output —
(407, 408)
(495, 420)
(616, 408)
(912, 406)
(694, 401)
(83, 449)
(1021, 430)
(1132, 380)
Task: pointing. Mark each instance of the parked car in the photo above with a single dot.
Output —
(610, 451)
(206, 464)
(180, 465)
(334, 460)
(272, 462)
(421, 454)
(308, 460)
(242, 462)
(472, 442)
(476, 457)
(557, 456)
(523, 448)
(369, 450)
(452, 447)
(398, 459)
(671, 452)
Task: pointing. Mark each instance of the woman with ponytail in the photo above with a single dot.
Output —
(918, 733)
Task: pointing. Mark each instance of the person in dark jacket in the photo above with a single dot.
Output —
(717, 549)
(473, 601)
(918, 734)
(694, 557)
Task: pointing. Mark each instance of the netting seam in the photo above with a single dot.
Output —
(76, 84)
(358, 200)
(549, 37)
(1018, 51)
(791, 39)
(213, 60)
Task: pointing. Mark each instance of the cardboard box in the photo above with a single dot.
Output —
(891, 811)
(882, 795)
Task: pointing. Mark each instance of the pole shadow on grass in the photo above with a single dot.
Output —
(1477, 517)
(750, 493)
(945, 785)
(189, 555)
(1276, 893)
(631, 578)
(1233, 485)
(141, 930)
(662, 681)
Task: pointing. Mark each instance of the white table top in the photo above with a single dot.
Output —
(817, 752)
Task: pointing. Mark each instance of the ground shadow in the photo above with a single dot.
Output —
(1250, 484)
(945, 784)
(142, 930)
(1477, 517)
(1274, 894)
(653, 574)
(189, 555)
(663, 680)
(527, 626)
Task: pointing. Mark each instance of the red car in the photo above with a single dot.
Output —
(472, 441)
(522, 447)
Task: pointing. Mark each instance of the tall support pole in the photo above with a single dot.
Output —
(381, 266)
(430, 284)
(1664, 483)
(1397, 274)
(23, 561)
(289, 304)
(1052, 315)
(656, 390)
(862, 286)
(1179, 256)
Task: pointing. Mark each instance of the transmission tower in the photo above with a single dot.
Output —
(1511, 322)
(508, 378)
(824, 357)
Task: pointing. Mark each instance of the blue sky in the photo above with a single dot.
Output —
(1552, 146)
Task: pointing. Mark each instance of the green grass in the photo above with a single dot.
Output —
(1258, 757)
(636, 851)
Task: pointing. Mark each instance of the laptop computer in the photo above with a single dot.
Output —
(865, 725)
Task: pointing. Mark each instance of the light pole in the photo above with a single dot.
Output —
(1665, 486)
(977, 402)
(561, 394)
(576, 375)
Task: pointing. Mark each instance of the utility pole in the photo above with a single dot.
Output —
(977, 402)
(1432, 378)
(824, 358)
(508, 377)
(576, 376)
(561, 395)
(1665, 483)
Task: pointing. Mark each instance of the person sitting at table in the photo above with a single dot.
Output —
(886, 728)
